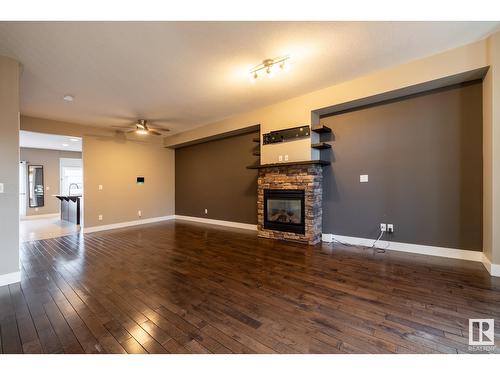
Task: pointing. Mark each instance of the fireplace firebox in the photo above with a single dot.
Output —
(284, 210)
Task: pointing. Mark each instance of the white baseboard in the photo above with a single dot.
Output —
(475, 256)
(127, 224)
(232, 224)
(43, 216)
(10, 278)
(493, 269)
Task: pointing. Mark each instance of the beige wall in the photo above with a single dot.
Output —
(491, 152)
(114, 161)
(9, 166)
(298, 111)
(116, 165)
(51, 176)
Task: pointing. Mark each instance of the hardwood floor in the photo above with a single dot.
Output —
(179, 287)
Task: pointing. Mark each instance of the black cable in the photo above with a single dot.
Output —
(382, 250)
(343, 243)
(378, 239)
(377, 250)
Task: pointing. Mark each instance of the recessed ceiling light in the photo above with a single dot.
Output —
(74, 140)
(65, 145)
(68, 98)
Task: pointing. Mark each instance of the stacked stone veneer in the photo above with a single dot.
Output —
(304, 177)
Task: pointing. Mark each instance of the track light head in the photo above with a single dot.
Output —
(268, 65)
(269, 72)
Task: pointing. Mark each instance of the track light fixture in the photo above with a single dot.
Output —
(268, 66)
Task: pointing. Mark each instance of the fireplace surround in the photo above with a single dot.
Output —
(289, 182)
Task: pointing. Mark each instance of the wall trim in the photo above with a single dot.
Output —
(127, 224)
(42, 216)
(232, 224)
(10, 278)
(475, 256)
(493, 269)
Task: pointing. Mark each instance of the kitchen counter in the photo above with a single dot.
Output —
(70, 208)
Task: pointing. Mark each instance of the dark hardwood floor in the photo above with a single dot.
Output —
(179, 287)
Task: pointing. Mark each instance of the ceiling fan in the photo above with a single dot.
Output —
(141, 127)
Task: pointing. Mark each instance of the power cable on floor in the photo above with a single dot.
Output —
(378, 250)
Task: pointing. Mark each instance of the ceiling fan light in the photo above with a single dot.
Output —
(141, 131)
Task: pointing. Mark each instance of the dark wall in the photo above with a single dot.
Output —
(423, 155)
(213, 175)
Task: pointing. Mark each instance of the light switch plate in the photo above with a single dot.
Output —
(100, 187)
(363, 178)
(1, 187)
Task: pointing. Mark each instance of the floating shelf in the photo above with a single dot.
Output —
(322, 129)
(321, 146)
(256, 140)
(290, 163)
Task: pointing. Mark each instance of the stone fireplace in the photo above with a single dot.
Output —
(289, 201)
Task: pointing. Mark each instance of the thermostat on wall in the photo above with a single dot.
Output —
(140, 180)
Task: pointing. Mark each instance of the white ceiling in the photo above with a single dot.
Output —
(49, 141)
(192, 73)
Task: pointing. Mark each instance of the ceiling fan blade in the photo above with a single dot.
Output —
(159, 127)
(122, 127)
(154, 132)
(163, 131)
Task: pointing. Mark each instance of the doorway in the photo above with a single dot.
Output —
(51, 185)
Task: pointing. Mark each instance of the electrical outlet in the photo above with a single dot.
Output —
(206, 211)
(383, 227)
(286, 157)
(139, 213)
(47, 188)
(100, 187)
(280, 158)
(36, 209)
(1, 187)
(390, 228)
(100, 217)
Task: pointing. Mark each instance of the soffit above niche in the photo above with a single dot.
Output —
(472, 75)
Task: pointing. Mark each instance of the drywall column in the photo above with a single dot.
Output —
(491, 156)
(9, 171)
